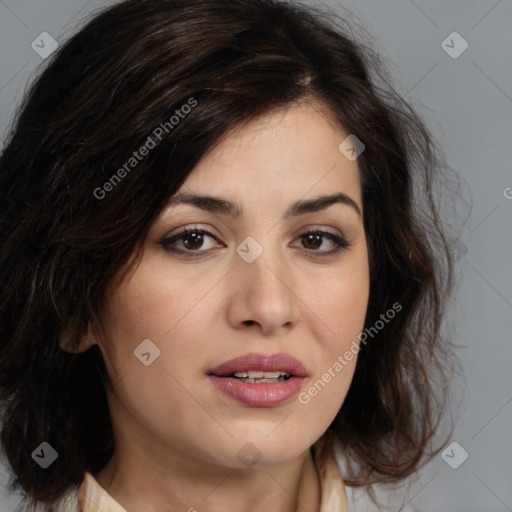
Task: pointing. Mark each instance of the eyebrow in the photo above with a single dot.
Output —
(234, 209)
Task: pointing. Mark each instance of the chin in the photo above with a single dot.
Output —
(266, 451)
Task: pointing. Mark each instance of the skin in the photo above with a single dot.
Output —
(177, 436)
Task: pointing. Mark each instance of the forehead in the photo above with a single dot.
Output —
(283, 155)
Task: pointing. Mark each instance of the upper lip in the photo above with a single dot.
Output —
(261, 362)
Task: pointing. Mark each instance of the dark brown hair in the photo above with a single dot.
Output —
(99, 99)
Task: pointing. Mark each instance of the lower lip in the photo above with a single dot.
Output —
(266, 394)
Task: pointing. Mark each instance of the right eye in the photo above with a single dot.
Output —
(191, 240)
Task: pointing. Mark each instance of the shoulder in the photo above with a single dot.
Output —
(69, 503)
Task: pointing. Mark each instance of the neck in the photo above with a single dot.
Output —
(289, 487)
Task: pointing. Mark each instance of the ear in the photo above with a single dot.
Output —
(86, 341)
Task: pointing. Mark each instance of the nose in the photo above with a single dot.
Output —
(265, 294)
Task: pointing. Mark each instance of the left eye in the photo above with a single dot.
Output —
(191, 240)
(317, 237)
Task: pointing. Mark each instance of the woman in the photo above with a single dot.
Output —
(223, 272)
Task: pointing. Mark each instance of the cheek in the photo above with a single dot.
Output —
(159, 395)
(340, 310)
(349, 312)
(155, 308)
(340, 302)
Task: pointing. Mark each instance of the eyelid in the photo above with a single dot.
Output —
(192, 227)
(320, 227)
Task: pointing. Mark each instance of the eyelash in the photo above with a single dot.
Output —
(341, 242)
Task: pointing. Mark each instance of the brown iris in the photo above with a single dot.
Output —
(196, 240)
(315, 238)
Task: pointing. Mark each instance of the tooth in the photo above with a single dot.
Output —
(272, 375)
(260, 376)
(262, 380)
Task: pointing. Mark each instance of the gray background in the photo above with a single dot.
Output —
(467, 103)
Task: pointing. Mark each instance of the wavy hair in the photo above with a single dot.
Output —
(101, 96)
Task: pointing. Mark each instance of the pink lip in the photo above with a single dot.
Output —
(264, 394)
(261, 362)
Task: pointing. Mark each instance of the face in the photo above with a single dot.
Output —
(274, 287)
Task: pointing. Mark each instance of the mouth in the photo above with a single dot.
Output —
(259, 380)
